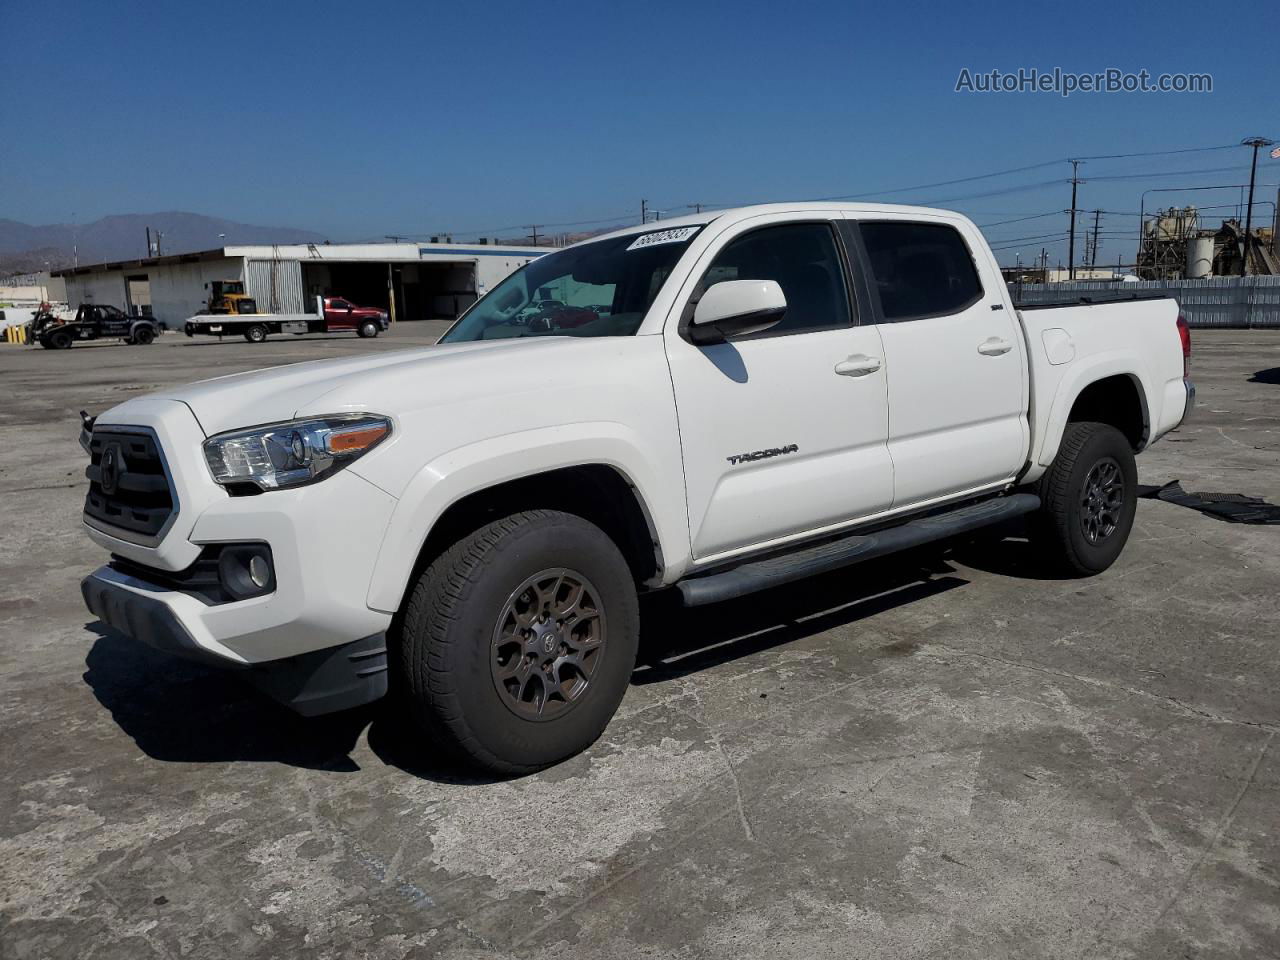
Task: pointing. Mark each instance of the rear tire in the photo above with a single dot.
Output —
(256, 333)
(60, 340)
(1089, 497)
(488, 636)
(143, 336)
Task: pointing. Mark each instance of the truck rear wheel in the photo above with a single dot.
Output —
(1089, 497)
(256, 333)
(143, 336)
(60, 340)
(517, 643)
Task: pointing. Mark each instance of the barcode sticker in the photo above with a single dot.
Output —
(675, 235)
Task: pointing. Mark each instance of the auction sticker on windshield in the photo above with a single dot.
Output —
(675, 235)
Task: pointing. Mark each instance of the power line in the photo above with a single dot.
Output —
(1171, 173)
(703, 205)
(1034, 216)
(1158, 153)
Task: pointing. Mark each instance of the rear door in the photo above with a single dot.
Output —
(957, 370)
(783, 432)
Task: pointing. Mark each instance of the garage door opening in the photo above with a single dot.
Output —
(423, 291)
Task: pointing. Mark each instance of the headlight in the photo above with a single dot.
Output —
(294, 453)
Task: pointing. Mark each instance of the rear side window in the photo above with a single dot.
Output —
(920, 269)
(803, 259)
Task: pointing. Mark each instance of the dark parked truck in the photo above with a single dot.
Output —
(92, 322)
(333, 315)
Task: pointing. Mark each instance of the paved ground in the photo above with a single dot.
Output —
(947, 757)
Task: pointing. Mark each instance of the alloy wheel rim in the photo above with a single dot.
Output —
(548, 644)
(1102, 500)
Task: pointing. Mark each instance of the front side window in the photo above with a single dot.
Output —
(598, 289)
(803, 259)
(920, 269)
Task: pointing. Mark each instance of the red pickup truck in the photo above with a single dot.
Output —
(340, 314)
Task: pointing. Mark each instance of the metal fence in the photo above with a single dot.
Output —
(1215, 302)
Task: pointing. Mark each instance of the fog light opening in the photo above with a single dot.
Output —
(246, 571)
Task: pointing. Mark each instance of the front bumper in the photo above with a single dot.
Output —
(323, 539)
(321, 681)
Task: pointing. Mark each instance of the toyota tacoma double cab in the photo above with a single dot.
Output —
(773, 392)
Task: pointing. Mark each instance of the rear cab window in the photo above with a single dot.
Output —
(919, 270)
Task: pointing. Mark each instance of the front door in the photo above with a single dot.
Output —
(783, 432)
(957, 369)
(338, 315)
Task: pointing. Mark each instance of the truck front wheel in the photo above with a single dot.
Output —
(517, 643)
(256, 333)
(367, 329)
(1089, 497)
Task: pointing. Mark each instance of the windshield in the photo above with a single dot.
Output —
(600, 289)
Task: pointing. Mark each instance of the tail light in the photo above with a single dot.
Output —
(1184, 334)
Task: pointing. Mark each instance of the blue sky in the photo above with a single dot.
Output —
(360, 120)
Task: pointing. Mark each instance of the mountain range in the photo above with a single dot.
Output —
(27, 248)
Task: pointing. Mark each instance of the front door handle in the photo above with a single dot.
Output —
(994, 347)
(859, 365)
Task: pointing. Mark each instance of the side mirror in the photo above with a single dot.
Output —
(734, 308)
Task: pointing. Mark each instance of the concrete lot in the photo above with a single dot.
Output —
(942, 757)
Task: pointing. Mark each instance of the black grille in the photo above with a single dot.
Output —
(128, 488)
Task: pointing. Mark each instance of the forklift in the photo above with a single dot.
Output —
(228, 297)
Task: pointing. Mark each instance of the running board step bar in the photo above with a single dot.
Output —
(774, 571)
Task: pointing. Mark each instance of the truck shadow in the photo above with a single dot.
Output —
(677, 641)
(1270, 375)
(182, 712)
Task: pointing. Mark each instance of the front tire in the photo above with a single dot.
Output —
(367, 329)
(517, 643)
(1089, 498)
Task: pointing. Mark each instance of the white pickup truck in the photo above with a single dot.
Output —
(728, 403)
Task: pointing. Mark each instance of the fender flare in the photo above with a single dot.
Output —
(475, 467)
(1074, 382)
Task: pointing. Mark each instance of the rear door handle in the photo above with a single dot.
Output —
(859, 365)
(994, 347)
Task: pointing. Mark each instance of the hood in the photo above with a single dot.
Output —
(385, 383)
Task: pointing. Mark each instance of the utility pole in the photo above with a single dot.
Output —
(534, 227)
(148, 241)
(697, 208)
(644, 213)
(1254, 142)
(158, 236)
(1071, 243)
(1093, 251)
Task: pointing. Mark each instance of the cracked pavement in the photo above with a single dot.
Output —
(940, 756)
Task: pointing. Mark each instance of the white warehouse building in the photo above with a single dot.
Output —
(413, 281)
